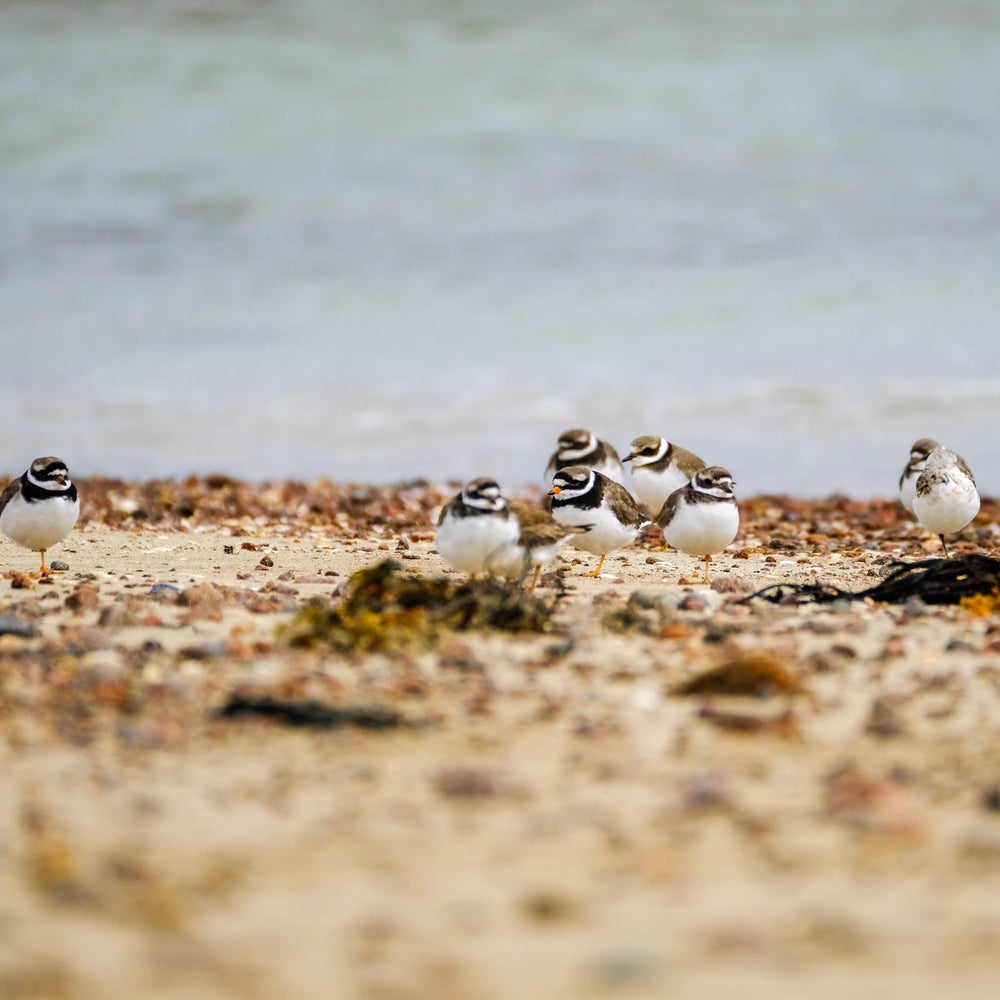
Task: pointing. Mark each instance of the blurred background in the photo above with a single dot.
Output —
(374, 240)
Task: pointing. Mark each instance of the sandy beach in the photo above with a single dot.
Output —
(667, 791)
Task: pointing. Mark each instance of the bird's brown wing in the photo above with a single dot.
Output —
(12, 489)
(623, 504)
(669, 507)
(961, 465)
(687, 461)
(529, 514)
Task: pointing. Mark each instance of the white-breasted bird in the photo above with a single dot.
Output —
(702, 517)
(41, 507)
(540, 539)
(946, 498)
(581, 447)
(911, 473)
(473, 525)
(581, 495)
(659, 468)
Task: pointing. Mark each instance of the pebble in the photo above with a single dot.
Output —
(693, 602)
(14, 625)
(916, 607)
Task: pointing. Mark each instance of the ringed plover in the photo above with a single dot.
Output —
(474, 524)
(659, 468)
(41, 507)
(702, 517)
(581, 495)
(540, 539)
(581, 447)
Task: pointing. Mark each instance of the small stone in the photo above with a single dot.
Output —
(693, 602)
(459, 656)
(645, 601)
(959, 646)
(707, 790)
(549, 907)
(916, 607)
(13, 625)
(991, 797)
(59, 566)
(618, 973)
(885, 720)
(843, 650)
(85, 596)
(474, 782)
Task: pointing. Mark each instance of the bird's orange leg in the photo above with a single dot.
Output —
(534, 582)
(708, 559)
(597, 572)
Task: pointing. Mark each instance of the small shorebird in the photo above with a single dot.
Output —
(581, 447)
(908, 480)
(946, 498)
(41, 507)
(473, 524)
(702, 517)
(659, 468)
(581, 495)
(540, 539)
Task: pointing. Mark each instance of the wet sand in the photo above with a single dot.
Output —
(577, 813)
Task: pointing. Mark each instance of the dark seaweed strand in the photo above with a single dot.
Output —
(821, 593)
(939, 581)
(312, 713)
(934, 581)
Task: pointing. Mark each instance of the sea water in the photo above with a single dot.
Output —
(375, 240)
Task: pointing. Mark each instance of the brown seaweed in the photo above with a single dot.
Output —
(754, 674)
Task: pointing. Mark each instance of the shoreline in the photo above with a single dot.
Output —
(666, 791)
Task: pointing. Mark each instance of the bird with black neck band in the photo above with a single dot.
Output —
(585, 496)
(702, 518)
(41, 507)
(582, 447)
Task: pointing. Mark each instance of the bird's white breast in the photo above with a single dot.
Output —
(949, 505)
(466, 543)
(702, 528)
(652, 488)
(607, 533)
(40, 524)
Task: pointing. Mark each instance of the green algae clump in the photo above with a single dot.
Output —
(387, 608)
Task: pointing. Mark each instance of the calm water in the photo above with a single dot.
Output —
(377, 240)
